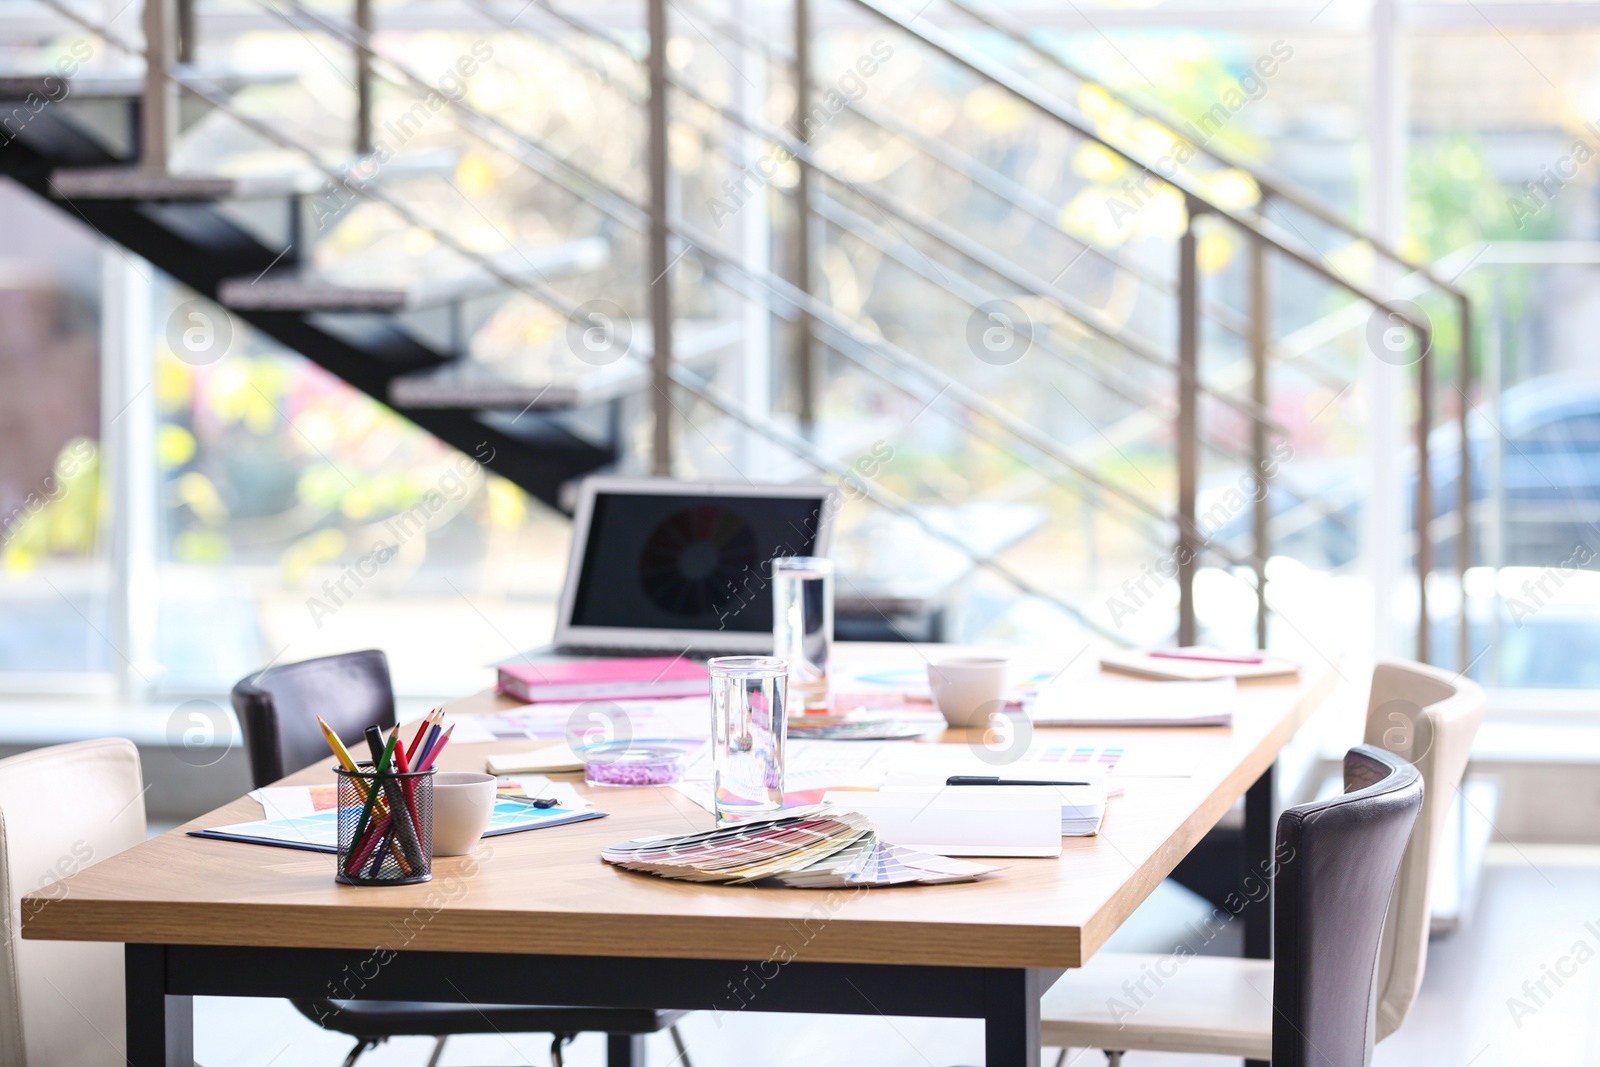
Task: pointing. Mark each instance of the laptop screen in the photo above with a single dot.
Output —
(684, 562)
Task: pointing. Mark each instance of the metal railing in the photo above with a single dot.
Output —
(818, 322)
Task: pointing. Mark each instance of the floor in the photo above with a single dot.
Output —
(1538, 914)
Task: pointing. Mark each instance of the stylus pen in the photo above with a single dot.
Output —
(980, 779)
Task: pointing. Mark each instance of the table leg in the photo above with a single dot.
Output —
(1258, 841)
(160, 1027)
(624, 1050)
(1011, 1017)
(1259, 831)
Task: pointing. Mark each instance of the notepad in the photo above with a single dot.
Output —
(552, 759)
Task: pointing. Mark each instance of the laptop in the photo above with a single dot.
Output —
(661, 566)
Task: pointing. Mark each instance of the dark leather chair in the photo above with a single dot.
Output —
(1313, 1006)
(1343, 855)
(278, 709)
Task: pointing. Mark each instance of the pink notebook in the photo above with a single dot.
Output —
(605, 679)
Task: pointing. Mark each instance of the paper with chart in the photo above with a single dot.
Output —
(307, 816)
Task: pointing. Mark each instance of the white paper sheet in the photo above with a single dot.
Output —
(1073, 703)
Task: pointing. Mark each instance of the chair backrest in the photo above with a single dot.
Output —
(62, 809)
(278, 709)
(1337, 862)
(1429, 717)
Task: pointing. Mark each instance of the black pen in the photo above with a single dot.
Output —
(538, 802)
(980, 779)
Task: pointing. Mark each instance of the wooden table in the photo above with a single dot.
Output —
(538, 918)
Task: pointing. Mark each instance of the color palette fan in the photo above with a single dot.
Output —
(813, 848)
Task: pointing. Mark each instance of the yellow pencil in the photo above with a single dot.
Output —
(337, 746)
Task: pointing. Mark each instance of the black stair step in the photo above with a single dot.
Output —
(87, 85)
(468, 385)
(124, 182)
(328, 292)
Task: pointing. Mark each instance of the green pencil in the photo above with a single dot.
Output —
(372, 800)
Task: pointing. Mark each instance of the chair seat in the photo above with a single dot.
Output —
(405, 1018)
(1217, 1005)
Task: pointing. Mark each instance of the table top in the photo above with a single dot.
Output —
(548, 892)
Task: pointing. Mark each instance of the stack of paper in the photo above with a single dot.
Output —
(809, 848)
(1135, 704)
(963, 820)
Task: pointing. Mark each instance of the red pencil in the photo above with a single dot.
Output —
(422, 731)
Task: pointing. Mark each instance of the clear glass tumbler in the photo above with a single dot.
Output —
(748, 697)
(802, 626)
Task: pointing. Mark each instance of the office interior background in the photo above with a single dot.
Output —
(1145, 322)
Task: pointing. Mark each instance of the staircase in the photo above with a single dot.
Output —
(873, 292)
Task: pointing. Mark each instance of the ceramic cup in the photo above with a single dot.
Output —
(966, 689)
(463, 802)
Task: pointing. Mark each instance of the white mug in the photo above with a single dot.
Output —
(967, 689)
(463, 804)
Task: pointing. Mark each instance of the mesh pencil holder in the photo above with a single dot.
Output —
(385, 827)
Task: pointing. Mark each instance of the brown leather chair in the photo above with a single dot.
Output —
(278, 709)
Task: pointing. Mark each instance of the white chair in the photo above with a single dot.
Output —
(1223, 1005)
(61, 810)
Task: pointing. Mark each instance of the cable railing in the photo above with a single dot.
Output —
(700, 245)
(863, 347)
(872, 352)
(1264, 237)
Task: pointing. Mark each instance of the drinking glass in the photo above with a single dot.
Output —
(748, 695)
(802, 626)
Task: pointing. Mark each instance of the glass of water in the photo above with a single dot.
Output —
(802, 626)
(748, 698)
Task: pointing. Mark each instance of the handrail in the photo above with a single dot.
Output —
(951, 239)
(1087, 317)
(805, 451)
(1269, 236)
(1261, 229)
(1271, 184)
(545, 294)
(974, 170)
(867, 349)
(698, 245)
(970, 399)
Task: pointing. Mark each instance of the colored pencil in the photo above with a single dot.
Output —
(380, 756)
(427, 746)
(342, 753)
(422, 731)
(433, 753)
